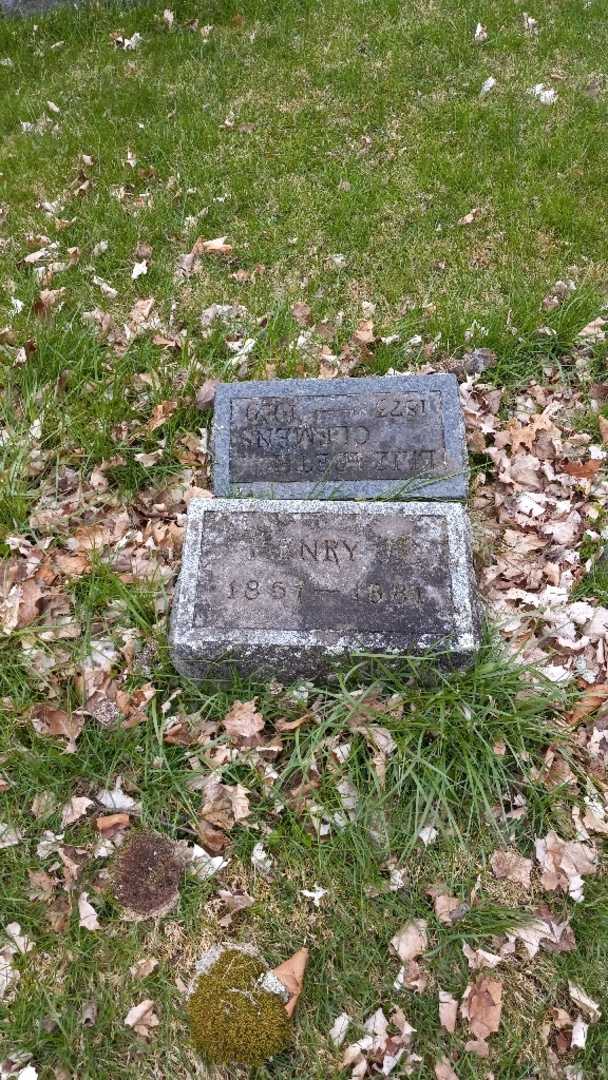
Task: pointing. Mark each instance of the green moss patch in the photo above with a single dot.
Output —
(232, 1017)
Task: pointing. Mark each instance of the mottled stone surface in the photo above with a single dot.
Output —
(398, 437)
(291, 589)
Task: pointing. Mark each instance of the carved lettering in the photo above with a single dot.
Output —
(377, 436)
(329, 551)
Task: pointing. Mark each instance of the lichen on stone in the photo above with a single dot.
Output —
(233, 1016)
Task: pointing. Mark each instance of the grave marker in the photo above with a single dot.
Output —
(397, 437)
(289, 588)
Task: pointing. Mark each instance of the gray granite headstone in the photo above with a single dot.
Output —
(289, 589)
(399, 437)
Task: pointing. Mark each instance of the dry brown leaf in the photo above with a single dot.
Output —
(244, 723)
(218, 246)
(294, 725)
(482, 1006)
(411, 940)
(448, 1011)
(593, 697)
(42, 885)
(30, 594)
(449, 909)
(142, 1018)
(364, 334)
(160, 413)
(47, 720)
(142, 968)
(301, 313)
(109, 824)
(477, 1046)
(509, 866)
(444, 1071)
(564, 863)
(472, 216)
(594, 331)
(205, 395)
(47, 300)
(480, 958)
(224, 805)
(582, 470)
(291, 974)
(75, 809)
(603, 425)
(581, 998)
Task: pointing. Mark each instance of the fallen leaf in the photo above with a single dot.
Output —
(594, 331)
(19, 943)
(411, 940)
(480, 958)
(477, 1046)
(261, 860)
(482, 1006)
(139, 269)
(583, 470)
(564, 863)
(47, 720)
(544, 94)
(75, 809)
(444, 1071)
(244, 723)
(339, 1028)
(9, 837)
(213, 247)
(316, 894)
(291, 974)
(448, 1011)
(205, 395)
(472, 216)
(593, 697)
(584, 1002)
(110, 824)
(509, 866)
(449, 909)
(47, 300)
(87, 914)
(301, 313)
(203, 865)
(579, 1034)
(160, 413)
(142, 968)
(117, 800)
(142, 1018)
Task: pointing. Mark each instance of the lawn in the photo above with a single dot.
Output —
(250, 190)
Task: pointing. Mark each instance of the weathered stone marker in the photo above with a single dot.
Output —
(397, 437)
(288, 588)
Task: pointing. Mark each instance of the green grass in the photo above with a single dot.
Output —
(384, 98)
(354, 128)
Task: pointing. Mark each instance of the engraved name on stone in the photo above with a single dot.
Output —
(291, 587)
(399, 436)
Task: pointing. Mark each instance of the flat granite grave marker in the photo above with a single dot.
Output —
(398, 436)
(290, 588)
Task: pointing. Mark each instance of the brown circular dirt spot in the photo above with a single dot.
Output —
(147, 875)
